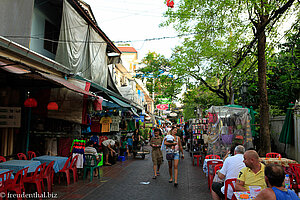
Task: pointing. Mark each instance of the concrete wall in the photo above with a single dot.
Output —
(276, 124)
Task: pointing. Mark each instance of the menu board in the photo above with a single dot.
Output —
(10, 117)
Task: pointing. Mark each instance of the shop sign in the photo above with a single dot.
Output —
(162, 106)
(10, 117)
(148, 125)
(173, 114)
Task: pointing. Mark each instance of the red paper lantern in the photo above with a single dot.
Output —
(52, 106)
(30, 103)
(170, 4)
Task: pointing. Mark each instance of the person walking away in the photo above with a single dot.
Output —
(251, 175)
(129, 143)
(274, 177)
(155, 143)
(231, 168)
(108, 149)
(177, 148)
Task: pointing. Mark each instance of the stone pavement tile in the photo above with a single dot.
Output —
(122, 182)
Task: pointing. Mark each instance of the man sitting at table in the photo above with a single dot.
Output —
(231, 167)
(274, 177)
(253, 174)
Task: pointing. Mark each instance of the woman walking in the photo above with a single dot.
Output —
(173, 149)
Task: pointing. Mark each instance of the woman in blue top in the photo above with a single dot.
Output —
(274, 176)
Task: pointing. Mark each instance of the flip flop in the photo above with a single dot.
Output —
(170, 181)
(154, 177)
(108, 164)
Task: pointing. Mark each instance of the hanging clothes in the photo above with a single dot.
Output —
(105, 122)
(115, 123)
(95, 124)
(77, 148)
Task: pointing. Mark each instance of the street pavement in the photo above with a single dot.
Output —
(124, 181)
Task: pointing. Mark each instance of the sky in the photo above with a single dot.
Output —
(133, 20)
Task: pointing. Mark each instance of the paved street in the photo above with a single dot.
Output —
(122, 181)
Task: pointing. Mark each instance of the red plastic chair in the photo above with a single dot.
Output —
(36, 178)
(48, 175)
(211, 165)
(2, 159)
(21, 156)
(212, 157)
(198, 157)
(230, 182)
(31, 155)
(65, 170)
(217, 167)
(295, 176)
(17, 185)
(73, 168)
(273, 155)
(3, 177)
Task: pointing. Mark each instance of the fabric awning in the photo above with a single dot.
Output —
(120, 103)
(65, 83)
(134, 112)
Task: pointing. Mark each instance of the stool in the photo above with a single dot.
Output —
(198, 159)
(121, 158)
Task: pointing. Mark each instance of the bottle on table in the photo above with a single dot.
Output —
(287, 183)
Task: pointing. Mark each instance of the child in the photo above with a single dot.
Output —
(170, 139)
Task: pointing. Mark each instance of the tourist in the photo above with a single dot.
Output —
(251, 175)
(231, 168)
(274, 177)
(155, 143)
(89, 149)
(175, 152)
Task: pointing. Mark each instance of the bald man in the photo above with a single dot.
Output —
(251, 175)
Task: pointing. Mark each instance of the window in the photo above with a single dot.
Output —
(51, 34)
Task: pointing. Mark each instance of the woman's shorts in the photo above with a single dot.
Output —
(176, 156)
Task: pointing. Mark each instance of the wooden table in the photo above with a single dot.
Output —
(280, 161)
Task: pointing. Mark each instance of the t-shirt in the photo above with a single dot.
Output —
(115, 123)
(251, 179)
(231, 168)
(107, 142)
(105, 121)
(130, 141)
(95, 124)
(282, 195)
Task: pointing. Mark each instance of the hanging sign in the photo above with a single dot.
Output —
(162, 106)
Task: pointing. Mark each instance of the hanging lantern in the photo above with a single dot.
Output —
(52, 106)
(30, 103)
(170, 4)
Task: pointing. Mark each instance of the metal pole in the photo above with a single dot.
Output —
(28, 130)
(153, 86)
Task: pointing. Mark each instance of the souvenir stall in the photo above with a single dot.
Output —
(227, 126)
(198, 132)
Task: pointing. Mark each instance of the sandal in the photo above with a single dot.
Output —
(170, 181)
(154, 177)
(158, 174)
(108, 164)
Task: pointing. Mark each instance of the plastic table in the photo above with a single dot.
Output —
(59, 162)
(16, 165)
(6, 170)
(238, 194)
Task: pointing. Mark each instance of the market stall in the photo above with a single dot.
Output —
(227, 126)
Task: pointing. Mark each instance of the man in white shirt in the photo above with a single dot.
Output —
(231, 168)
(108, 144)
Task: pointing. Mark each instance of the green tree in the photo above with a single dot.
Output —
(227, 34)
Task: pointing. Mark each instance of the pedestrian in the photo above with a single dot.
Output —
(155, 143)
(274, 177)
(129, 143)
(174, 155)
(90, 149)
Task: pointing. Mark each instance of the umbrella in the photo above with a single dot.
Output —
(252, 122)
(287, 131)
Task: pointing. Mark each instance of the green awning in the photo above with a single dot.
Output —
(120, 103)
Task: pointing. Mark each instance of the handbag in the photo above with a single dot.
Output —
(170, 156)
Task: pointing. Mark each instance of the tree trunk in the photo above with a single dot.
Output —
(265, 141)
